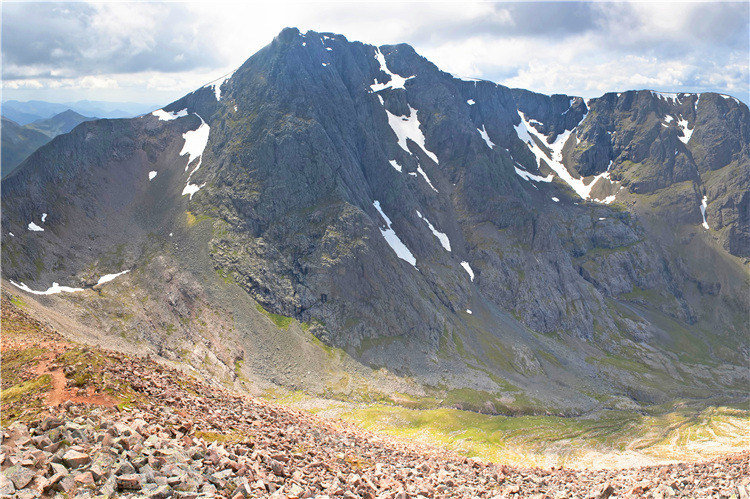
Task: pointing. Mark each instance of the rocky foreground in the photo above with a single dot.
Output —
(86, 422)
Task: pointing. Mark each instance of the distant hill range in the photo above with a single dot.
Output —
(18, 142)
(24, 113)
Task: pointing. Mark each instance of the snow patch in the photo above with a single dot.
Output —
(526, 131)
(441, 236)
(556, 200)
(395, 165)
(468, 311)
(34, 227)
(704, 205)
(728, 97)
(110, 277)
(408, 127)
(151, 174)
(44, 217)
(195, 144)
(530, 176)
(216, 84)
(468, 270)
(396, 81)
(191, 189)
(393, 240)
(168, 116)
(486, 137)
(470, 102)
(424, 175)
(54, 289)
(686, 132)
(669, 97)
(608, 200)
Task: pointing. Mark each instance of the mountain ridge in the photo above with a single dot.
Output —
(301, 197)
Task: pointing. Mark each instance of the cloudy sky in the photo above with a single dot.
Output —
(156, 52)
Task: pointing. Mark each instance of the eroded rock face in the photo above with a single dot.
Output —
(366, 192)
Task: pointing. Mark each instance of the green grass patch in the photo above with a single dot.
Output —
(536, 439)
(24, 399)
(281, 321)
(17, 302)
(15, 362)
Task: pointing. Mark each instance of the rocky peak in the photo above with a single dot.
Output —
(411, 217)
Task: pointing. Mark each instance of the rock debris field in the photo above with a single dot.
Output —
(131, 427)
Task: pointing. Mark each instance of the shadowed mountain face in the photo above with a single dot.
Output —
(458, 232)
(18, 142)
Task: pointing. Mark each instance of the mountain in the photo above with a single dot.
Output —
(34, 110)
(59, 123)
(17, 144)
(353, 221)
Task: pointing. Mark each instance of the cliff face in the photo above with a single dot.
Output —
(457, 231)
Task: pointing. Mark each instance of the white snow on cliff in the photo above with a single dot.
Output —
(686, 132)
(553, 158)
(704, 205)
(216, 84)
(168, 116)
(393, 240)
(468, 270)
(408, 127)
(486, 137)
(530, 176)
(195, 144)
(54, 289)
(110, 277)
(441, 236)
(426, 178)
(396, 81)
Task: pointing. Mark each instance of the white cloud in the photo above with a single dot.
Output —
(583, 49)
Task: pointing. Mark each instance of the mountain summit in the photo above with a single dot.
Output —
(514, 251)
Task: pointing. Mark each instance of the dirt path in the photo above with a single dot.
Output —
(60, 392)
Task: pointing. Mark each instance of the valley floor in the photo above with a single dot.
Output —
(82, 421)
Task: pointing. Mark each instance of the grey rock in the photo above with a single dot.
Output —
(19, 475)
